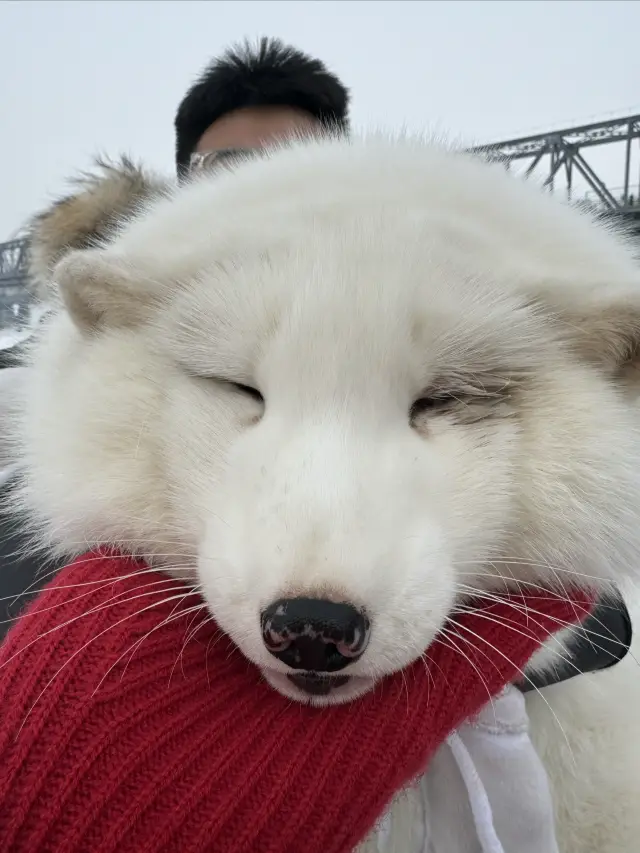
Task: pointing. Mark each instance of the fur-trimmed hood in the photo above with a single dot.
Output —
(88, 216)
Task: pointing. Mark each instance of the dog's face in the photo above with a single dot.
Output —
(350, 388)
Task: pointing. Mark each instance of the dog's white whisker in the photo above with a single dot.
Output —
(523, 674)
(91, 611)
(79, 651)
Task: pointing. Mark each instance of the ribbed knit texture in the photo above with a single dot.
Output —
(131, 730)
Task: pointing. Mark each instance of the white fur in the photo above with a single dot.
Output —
(345, 280)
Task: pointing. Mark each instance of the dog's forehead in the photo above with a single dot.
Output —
(382, 291)
(358, 245)
(404, 262)
(295, 192)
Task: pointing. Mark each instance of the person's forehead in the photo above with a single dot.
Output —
(254, 127)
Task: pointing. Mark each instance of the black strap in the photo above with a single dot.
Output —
(602, 641)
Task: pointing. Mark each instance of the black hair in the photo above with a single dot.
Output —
(269, 74)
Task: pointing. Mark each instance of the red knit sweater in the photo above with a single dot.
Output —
(126, 729)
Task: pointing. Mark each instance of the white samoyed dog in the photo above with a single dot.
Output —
(372, 376)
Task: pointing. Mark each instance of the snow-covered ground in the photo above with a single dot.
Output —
(9, 337)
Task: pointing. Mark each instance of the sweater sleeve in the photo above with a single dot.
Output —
(131, 725)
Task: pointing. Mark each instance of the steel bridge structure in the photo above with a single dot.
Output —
(563, 154)
(15, 296)
(555, 158)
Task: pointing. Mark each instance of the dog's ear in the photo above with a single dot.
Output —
(101, 291)
(601, 323)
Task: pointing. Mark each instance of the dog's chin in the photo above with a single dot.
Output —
(318, 689)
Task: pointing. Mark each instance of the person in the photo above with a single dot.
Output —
(251, 97)
(248, 97)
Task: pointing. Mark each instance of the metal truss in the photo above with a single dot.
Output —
(563, 151)
(15, 296)
(13, 263)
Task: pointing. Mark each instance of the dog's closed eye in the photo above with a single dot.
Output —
(240, 387)
(466, 402)
(245, 389)
(430, 404)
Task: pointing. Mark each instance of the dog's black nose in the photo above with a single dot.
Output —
(314, 634)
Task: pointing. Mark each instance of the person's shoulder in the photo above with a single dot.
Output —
(7, 359)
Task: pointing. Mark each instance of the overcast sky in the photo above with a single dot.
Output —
(83, 76)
